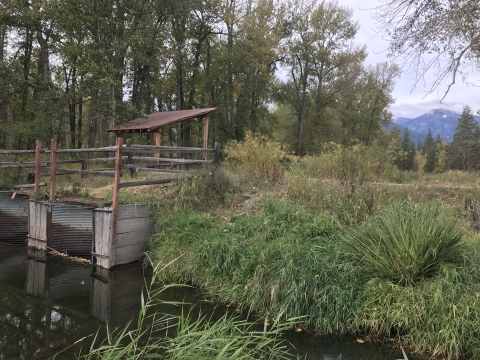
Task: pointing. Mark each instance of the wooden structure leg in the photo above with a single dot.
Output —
(116, 189)
(205, 135)
(158, 140)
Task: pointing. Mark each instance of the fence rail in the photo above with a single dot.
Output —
(132, 161)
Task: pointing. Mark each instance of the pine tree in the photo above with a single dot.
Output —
(430, 151)
(460, 154)
(408, 148)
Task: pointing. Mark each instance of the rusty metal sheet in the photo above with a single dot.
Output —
(72, 229)
(159, 119)
(14, 218)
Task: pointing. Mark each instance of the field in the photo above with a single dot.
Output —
(338, 244)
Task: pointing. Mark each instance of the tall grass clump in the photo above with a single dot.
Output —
(406, 243)
(438, 316)
(168, 337)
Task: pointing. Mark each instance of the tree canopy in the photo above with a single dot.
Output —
(289, 69)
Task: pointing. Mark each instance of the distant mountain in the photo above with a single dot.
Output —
(440, 122)
(414, 136)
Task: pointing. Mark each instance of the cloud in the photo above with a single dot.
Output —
(414, 110)
(411, 100)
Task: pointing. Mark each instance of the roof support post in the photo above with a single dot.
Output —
(158, 140)
(205, 135)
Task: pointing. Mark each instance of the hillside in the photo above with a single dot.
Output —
(440, 122)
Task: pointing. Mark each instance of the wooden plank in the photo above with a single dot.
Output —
(92, 150)
(141, 167)
(148, 182)
(132, 225)
(27, 186)
(130, 253)
(164, 149)
(173, 161)
(132, 211)
(133, 238)
(103, 236)
(101, 172)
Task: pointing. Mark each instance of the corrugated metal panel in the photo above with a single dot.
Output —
(72, 229)
(13, 218)
(159, 119)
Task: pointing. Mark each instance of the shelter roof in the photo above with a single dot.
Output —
(160, 119)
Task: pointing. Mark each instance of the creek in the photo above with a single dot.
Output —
(48, 305)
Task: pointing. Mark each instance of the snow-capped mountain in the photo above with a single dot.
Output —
(440, 122)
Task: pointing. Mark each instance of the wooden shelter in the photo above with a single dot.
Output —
(156, 121)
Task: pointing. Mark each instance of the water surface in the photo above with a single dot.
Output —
(48, 305)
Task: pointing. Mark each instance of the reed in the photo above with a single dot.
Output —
(168, 337)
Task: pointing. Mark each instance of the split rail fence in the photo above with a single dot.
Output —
(128, 156)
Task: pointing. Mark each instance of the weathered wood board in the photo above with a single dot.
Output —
(39, 222)
(125, 244)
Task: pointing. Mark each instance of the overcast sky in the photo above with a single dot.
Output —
(410, 102)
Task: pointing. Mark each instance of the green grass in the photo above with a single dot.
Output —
(291, 261)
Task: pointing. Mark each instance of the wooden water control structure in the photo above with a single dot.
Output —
(117, 234)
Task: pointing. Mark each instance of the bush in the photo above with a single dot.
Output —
(406, 243)
(259, 157)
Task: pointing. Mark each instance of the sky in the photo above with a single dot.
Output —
(410, 101)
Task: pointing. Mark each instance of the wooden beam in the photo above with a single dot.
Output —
(205, 135)
(53, 169)
(148, 182)
(38, 149)
(158, 139)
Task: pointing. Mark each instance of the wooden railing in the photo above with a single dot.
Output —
(126, 157)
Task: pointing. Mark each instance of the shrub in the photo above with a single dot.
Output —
(406, 243)
(260, 157)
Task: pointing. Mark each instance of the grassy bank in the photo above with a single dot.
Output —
(305, 252)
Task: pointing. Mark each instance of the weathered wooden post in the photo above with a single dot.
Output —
(38, 148)
(158, 140)
(53, 169)
(84, 164)
(130, 158)
(205, 135)
(216, 155)
(116, 183)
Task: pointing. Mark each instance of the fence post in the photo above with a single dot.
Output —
(130, 160)
(38, 148)
(84, 164)
(216, 155)
(116, 183)
(53, 169)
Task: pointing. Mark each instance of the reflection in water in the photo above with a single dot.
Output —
(49, 303)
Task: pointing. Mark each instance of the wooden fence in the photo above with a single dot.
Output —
(128, 156)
